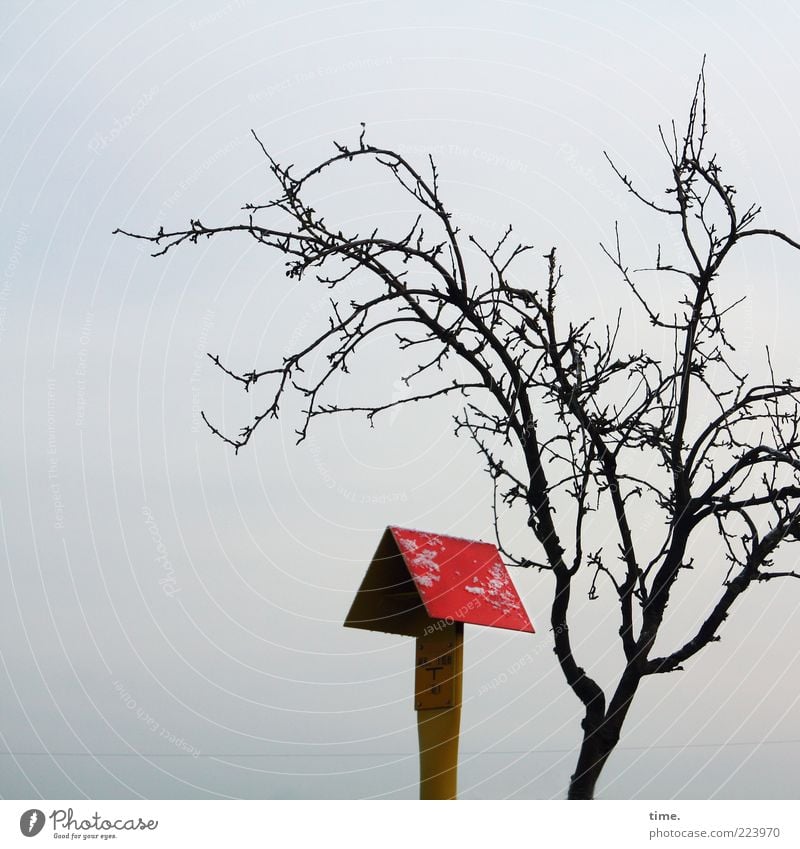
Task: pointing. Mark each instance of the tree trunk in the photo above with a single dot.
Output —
(591, 760)
(601, 737)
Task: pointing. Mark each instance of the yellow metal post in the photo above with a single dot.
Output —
(437, 699)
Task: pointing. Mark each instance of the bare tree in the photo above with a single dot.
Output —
(561, 418)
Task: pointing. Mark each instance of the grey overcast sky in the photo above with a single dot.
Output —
(170, 615)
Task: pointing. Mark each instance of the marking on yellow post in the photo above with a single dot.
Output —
(434, 679)
(438, 686)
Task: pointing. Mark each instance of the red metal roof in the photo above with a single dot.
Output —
(417, 578)
(462, 580)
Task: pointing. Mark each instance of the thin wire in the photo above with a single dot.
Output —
(380, 754)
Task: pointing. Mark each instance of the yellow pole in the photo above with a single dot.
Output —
(438, 686)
